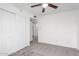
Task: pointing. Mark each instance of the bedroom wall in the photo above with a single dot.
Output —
(14, 29)
(59, 29)
(77, 17)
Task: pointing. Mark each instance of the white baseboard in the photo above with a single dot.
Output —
(56, 44)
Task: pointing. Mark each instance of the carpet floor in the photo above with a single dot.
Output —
(42, 49)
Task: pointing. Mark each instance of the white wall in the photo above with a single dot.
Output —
(14, 29)
(59, 29)
(77, 28)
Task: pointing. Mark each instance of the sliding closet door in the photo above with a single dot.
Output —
(7, 31)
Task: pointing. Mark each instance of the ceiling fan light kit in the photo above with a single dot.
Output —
(45, 5)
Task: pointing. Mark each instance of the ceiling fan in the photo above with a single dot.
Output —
(44, 6)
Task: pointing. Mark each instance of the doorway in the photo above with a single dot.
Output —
(33, 30)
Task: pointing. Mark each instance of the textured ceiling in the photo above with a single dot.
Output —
(38, 10)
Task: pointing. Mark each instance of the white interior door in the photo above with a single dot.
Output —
(7, 31)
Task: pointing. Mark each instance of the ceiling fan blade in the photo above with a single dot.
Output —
(53, 6)
(43, 10)
(36, 5)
